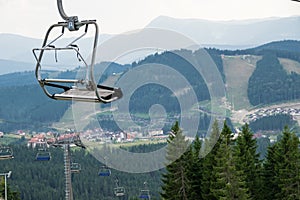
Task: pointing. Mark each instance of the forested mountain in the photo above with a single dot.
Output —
(230, 168)
(270, 83)
(9, 66)
(45, 179)
(24, 106)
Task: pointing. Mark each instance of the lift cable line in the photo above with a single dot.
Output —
(66, 141)
(78, 89)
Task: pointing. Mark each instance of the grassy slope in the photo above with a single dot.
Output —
(238, 69)
(290, 65)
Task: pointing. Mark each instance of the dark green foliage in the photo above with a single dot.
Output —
(27, 107)
(285, 49)
(176, 183)
(141, 103)
(211, 147)
(270, 83)
(262, 147)
(181, 62)
(45, 180)
(216, 56)
(281, 175)
(247, 160)
(275, 122)
(11, 194)
(230, 182)
(270, 186)
(288, 166)
(195, 171)
(18, 79)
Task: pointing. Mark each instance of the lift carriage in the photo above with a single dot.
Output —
(75, 168)
(43, 156)
(76, 88)
(119, 190)
(43, 153)
(104, 171)
(145, 192)
(6, 153)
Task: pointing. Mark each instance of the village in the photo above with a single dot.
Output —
(97, 135)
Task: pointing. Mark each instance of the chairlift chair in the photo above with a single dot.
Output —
(75, 167)
(104, 171)
(85, 89)
(145, 193)
(43, 156)
(118, 190)
(6, 153)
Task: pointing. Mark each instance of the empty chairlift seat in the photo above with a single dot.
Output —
(6, 153)
(119, 191)
(84, 88)
(43, 156)
(144, 194)
(104, 171)
(75, 167)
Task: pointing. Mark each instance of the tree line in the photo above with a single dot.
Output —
(231, 169)
(218, 167)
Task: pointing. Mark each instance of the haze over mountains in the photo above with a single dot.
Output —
(233, 34)
(16, 54)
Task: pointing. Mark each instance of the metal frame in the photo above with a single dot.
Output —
(145, 193)
(8, 153)
(75, 167)
(92, 92)
(43, 156)
(6, 176)
(104, 171)
(118, 190)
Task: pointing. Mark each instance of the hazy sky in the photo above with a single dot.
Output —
(32, 17)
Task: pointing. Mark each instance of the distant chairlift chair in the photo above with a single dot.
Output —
(104, 171)
(75, 168)
(43, 154)
(6, 153)
(118, 190)
(85, 89)
(145, 193)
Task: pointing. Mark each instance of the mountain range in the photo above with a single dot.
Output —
(16, 55)
(274, 65)
(232, 34)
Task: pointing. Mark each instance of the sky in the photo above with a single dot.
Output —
(32, 18)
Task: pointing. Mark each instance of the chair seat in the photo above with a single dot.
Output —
(106, 93)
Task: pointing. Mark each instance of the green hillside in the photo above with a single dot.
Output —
(24, 106)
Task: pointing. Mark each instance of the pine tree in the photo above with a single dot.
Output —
(288, 166)
(230, 183)
(281, 177)
(247, 160)
(195, 171)
(176, 184)
(211, 147)
(269, 181)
